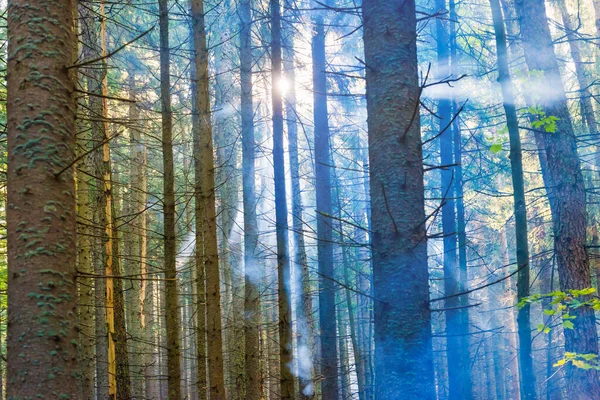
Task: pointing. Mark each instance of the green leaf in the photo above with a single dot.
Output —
(549, 312)
(568, 324)
(496, 148)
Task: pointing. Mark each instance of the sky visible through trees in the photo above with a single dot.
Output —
(299, 199)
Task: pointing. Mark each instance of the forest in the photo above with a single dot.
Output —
(299, 199)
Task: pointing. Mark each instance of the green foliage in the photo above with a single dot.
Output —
(545, 122)
(582, 361)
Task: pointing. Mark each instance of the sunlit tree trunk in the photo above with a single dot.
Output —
(206, 219)
(304, 312)
(565, 190)
(281, 213)
(403, 353)
(41, 212)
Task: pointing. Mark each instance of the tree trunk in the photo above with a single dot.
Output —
(252, 269)
(520, 209)
(41, 215)
(170, 241)
(136, 205)
(327, 309)
(206, 219)
(565, 189)
(587, 110)
(403, 353)
(281, 213)
(304, 312)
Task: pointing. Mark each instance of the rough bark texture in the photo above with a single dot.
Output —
(41, 218)
(281, 213)
(327, 321)
(565, 189)
(170, 241)
(524, 327)
(403, 352)
(206, 219)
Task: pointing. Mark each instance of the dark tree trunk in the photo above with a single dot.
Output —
(281, 213)
(403, 352)
(327, 309)
(170, 240)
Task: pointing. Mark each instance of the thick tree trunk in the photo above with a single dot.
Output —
(41, 216)
(206, 219)
(403, 353)
(566, 192)
(328, 352)
(520, 209)
(170, 241)
(281, 213)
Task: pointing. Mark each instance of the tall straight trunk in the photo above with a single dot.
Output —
(566, 192)
(85, 264)
(201, 382)
(170, 241)
(251, 267)
(206, 218)
(403, 353)
(461, 233)
(41, 215)
(281, 212)
(136, 204)
(587, 110)
(98, 205)
(304, 312)
(453, 346)
(328, 351)
(520, 209)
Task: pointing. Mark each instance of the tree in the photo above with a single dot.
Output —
(327, 310)
(170, 241)
(281, 214)
(206, 218)
(565, 188)
(41, 215)
(520, 208)
(403, 352)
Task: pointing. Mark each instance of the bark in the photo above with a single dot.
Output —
(520, 209)
(84, 259)
(461, 233)
(403, 352)
(565, 190)
(41, 216)
(327, 309)
(252, 270)
(281, 213)
(206, 219)
(170, 242)
(304, 312)
(134, 240)
(453, 346)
